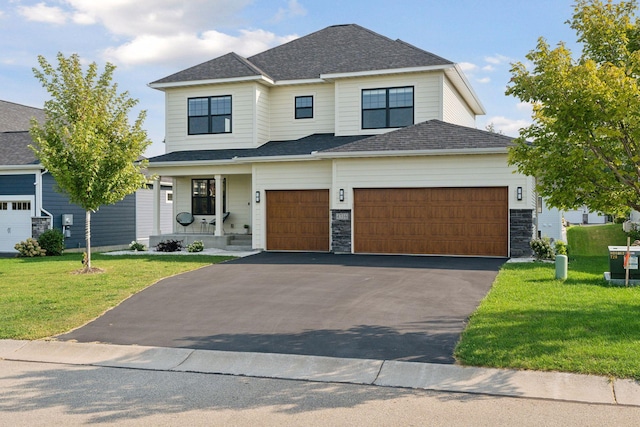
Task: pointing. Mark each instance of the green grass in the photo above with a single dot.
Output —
(41, 297)
(530, 320)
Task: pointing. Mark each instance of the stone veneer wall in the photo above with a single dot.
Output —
(341, 231)
(39, 225)
(520, 232)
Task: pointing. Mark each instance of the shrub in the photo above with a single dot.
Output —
(169, 246)
(29, 248)
(542, 248)
(52, 241)
(560, 248)
(136, 246)
(197, 246)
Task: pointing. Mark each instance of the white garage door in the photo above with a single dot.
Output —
(15, 223)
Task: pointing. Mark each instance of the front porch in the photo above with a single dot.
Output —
(229, 242)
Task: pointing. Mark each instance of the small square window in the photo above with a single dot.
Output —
(304, 107)
(169, 197)
(4, 206)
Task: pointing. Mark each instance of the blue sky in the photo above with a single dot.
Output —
(150, 39)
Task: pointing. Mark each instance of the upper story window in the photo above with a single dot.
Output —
(304, 107)
(387, 108)
(209, 115)
(203, 196)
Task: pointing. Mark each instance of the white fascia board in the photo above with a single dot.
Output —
(459, 80)
(268, 159)
(162, 86)
(299, 82)
(411, 153)
(234, 161)
(384, 72)
(19, 169)
(181, 163)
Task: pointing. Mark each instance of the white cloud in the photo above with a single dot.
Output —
(467, 66)
(508, 126)
(524, 106)
(172, 49)
(293, 9)
(43, 13)
(483, 80)
(498, 59)
(488, 68)
(158, 17)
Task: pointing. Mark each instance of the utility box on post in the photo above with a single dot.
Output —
(616, 262)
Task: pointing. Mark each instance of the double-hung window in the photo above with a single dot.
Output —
(387, 108)
(304, 107)
(209, 115)
(203, 196)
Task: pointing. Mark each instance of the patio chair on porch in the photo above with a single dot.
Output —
(185, 219)
(212, 223)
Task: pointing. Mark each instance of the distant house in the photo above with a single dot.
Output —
(342, 140)
(29, 203)
(552, 222)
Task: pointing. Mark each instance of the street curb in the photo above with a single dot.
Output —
(429, 376)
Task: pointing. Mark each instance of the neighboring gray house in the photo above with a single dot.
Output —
(29, 203)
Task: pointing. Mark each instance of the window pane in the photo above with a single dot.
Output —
(221, 124)
(198, 125)
(400, 117)
(374, 99)
(220, 105)
(401, 97)
(199, 187)
(200, 206)
(304, 101)
(198, 107)
(374, 119)
(304, 113)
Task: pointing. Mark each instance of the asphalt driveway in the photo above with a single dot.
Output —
(356, 306)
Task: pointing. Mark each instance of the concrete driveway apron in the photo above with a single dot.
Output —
(356, 306)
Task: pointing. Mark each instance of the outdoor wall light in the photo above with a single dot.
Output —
(519, 193)
(258, 196)
(341, 194)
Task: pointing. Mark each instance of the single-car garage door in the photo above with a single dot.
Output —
(445, 221)
(15, 223)
(298, 220)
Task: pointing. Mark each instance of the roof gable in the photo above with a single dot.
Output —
(336, 49)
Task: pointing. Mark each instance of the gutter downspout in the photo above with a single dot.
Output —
(39, 206)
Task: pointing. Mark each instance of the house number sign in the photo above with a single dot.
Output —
(342, 216)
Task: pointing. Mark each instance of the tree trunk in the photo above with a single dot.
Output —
(87, 236)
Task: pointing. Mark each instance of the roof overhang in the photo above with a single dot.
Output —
(368, 73)
(169, 85)
(459, 80)
(412, 153)
(16, 168)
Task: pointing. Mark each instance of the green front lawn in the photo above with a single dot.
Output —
(529, 320)
(41, 297)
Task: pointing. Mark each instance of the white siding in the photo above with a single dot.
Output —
(243, 101)
(262, 114)
(435, 171)
(284, 125)
(550, 223)
(577, 216)
(455, 109)
(312, 175)
(144, 214)
(348, 114)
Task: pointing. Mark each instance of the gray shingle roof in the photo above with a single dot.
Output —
(303, 146)
(16, 117)
(429, 135)
(335, 49)
(14, 149)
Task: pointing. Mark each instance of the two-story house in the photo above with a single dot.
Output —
(342, 140)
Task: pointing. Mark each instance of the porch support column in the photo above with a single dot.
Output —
(219, 214)
(156, 206)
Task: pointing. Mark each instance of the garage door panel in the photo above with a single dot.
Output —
(298, 220)
(457, 221)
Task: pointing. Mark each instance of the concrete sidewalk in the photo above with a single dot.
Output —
(449, 378)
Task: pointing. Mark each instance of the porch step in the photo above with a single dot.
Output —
(240, 242)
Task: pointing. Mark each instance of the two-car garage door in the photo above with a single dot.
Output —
(446, 221)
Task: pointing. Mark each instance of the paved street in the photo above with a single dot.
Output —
(45, 394)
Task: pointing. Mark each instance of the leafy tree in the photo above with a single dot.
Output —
(584, 143)
(87, 143)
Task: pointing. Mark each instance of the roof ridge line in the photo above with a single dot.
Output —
(250, 65)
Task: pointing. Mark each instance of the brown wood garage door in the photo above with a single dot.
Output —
(298, 220)
(447, 221)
